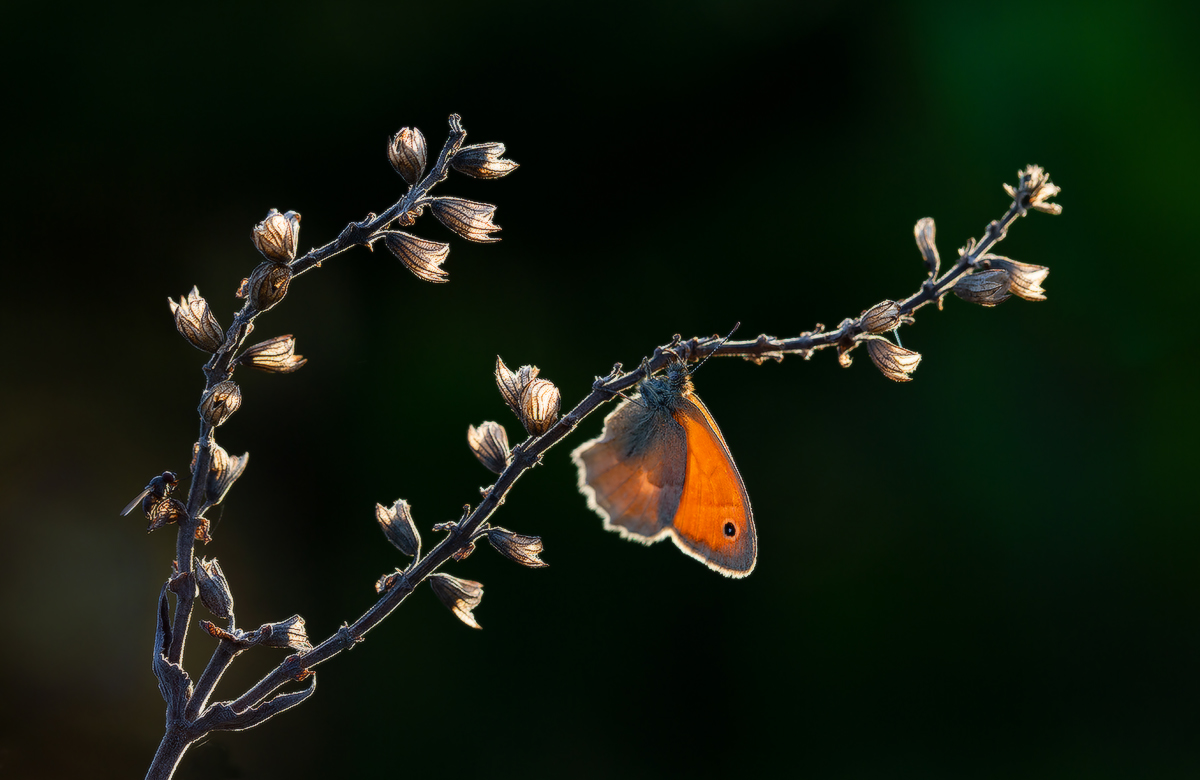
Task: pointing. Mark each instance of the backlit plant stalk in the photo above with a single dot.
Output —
(976, 276)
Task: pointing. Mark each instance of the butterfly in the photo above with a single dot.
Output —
(661, 469)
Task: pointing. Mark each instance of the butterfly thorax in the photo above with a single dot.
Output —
(667, 392)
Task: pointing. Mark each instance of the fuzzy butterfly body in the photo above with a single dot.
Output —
(661, 469)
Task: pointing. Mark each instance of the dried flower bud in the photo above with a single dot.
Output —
(237, 637)
(881, 317)
(423, 258)
(843, 350)
(482, 161)
(460, 596)
(517, 547)
(987, 288)
(214, 588)
(220, 402)
(406, 152)
(287, 633)
(195, 322)
(924, 232)
(489, 442)
(223, 471)
(398, 526)
(539, 406)
(512, 383)
(203, 532)
(278, 236)
(388, 581)
(1027, 278)
(410, 217)
(895, 362)
(1034, 190)
(166, 512)
(267, 285)
(471, 220)
(276, 356)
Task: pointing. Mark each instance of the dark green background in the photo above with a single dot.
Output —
(990, 572)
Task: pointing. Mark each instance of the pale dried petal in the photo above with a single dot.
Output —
(220, 402)
(214, 588)
(460, 596)
(483, 161)
(1027, 278)
(540, 402)
(223, 471)
(406, 152)
(489, 442)
(288, 633)
(1034, 190)
(894, 361)
(517, 547)
(276, 356)
(423, 258)
(195, 322)
(924, 231)
(398, 526)
(278, 236)
(987, 288)
(471, 220)
(268, 284)
(881, 317)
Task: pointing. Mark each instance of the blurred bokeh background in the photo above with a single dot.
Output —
(989, 572)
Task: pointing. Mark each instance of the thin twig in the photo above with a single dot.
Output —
(529, 453)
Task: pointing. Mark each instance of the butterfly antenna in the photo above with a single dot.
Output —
(696, 367)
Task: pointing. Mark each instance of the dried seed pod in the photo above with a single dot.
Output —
(398, 526)
(1034, 190)
(471, 220)
(214, 588)
(517, 547)
(924, 232)
(1027, 278)
(423, 258)
(406, 152)
(195, 322)
(512, 383)
(166, 512)
(268, 284)
(881, 317)
(223, 471)
(460, 596)
(895, 362)
(489, 442)
(276, 356)
(539, 406)
(987, 288)
(482, 161)
(220, 402)
(287, 633)
(278, 236)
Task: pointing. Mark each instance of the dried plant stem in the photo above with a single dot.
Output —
(217, 370)
(190, 716)
(529, 453)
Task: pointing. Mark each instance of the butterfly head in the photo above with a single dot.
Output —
(667, 391)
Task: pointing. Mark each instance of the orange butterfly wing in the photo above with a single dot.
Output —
(714, 522)
(633, 474)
